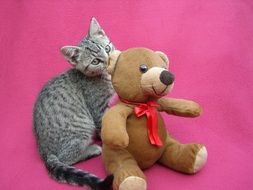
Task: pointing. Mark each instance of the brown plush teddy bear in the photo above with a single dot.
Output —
(133, 132)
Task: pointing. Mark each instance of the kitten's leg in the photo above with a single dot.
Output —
(77, 150)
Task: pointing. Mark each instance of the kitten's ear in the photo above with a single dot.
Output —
(112, 60)
(71, 53)
(164, 57)
(95, 28)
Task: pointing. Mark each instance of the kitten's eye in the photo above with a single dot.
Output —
(143, 68)
(95, 62)
(107, 49)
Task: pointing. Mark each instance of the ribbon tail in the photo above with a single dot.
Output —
(153, 126)
(150, 130)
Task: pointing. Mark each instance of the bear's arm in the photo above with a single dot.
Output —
(114, 131)
(179, 107)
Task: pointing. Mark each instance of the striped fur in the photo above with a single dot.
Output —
(69, 109)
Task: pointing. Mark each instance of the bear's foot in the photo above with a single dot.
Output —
(133, 183)
(200, 160)
(186, 158)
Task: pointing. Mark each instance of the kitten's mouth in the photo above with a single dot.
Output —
(104, 69)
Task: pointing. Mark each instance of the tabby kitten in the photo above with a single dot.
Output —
(69, 109)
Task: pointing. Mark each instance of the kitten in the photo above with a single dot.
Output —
(69, 109)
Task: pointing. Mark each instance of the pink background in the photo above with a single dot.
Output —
(210, 45)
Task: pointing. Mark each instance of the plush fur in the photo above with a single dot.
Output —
(141, 75)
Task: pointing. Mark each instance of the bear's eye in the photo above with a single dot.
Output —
(143, 68)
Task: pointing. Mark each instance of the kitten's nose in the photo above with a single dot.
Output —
(166, 77)
(105, 55)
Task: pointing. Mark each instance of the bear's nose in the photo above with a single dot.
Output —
(166, 78)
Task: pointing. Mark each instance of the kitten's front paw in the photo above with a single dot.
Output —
(96, 149)
(93, 151)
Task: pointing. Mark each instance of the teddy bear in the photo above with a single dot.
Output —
(133, 132)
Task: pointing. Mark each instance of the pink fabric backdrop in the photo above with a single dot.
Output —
(210, 45)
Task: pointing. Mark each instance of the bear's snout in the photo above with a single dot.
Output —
(157, 82)
(166, 77)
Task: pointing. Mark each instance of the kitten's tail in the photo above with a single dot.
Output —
(71, 175)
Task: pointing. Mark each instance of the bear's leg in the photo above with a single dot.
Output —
(186, 158)
(127, 174)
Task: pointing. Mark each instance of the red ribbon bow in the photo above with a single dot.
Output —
(148, 109)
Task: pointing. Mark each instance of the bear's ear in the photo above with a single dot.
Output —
(111, 63)
(164, 57)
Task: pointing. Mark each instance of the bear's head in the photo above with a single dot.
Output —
(140, 74)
